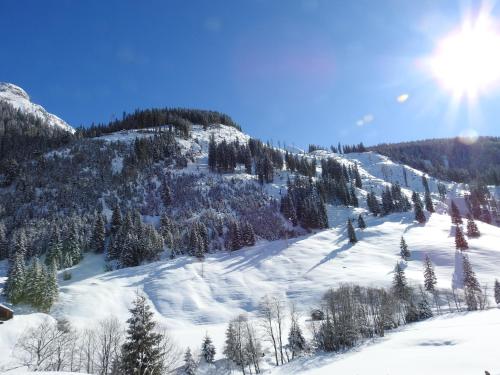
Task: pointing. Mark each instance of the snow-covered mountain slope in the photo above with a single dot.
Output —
(458, 344)
(193, 298)
(19, 99)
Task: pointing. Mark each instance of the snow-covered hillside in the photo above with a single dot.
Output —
(193, 298)
(19, 99)
(456, 344)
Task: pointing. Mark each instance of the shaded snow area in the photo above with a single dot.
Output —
(19, 99)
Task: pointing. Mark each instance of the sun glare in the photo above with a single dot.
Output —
(467, 62)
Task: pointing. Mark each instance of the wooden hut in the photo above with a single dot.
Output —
(5, 313)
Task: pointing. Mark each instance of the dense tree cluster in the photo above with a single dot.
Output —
(353, 313)
(394, 200)
(134, 242)
(348, 149)
(303, 204)
(178, 119)
(35, 284)
(23, 137)
(449, 159)
(300, 164)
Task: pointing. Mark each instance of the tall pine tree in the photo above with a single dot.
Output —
(404, 251)
(472, 229)
(208, 349)
(141, 352)
(460, 241)
(430, 279)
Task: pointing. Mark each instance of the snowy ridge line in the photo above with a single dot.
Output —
(19, 99)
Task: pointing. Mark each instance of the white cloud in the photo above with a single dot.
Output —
(365, 120)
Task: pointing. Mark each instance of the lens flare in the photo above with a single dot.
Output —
(468, 136)
(467, 62)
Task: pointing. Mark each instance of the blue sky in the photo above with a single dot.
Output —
(305, 71)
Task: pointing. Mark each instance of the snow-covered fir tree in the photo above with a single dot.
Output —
(429, 206)
(417, 207)
(472, 289)
(190, 366)
(116, 220)
(98, 235)
(460, 241)
(399, 283)
(16, 279)
(141, 353)
(456, 218)
(472, 229)
(430, 279)
(373, 204)
(208, 349)
(404, 251)
(296, 341)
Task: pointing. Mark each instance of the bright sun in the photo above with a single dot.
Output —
(467, 62)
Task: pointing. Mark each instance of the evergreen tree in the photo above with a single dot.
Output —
(497, 292)
(16, 279)
(212, 154)
(460, 241)
(404, 251)
(357, 177)
(399, 282)
(352, 194)
(98, 235)
(189, 363)
(248, 234)
(472, 288)
(351, 232)
(456, 218)
(425, 184)
(417, 206)
(236, 241)
(208, 349)
(442, 191)
(424, 310)
(50, 291)
(387, 202)
(141, 352)
(472, 229)
(54, 252)
(296, 341)
(4, 243)
(373, 204)
(116, 220)
(35, 282)
(166, 195)
(429, 206)
(430, 279)
(72, 249)
(361, 222)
